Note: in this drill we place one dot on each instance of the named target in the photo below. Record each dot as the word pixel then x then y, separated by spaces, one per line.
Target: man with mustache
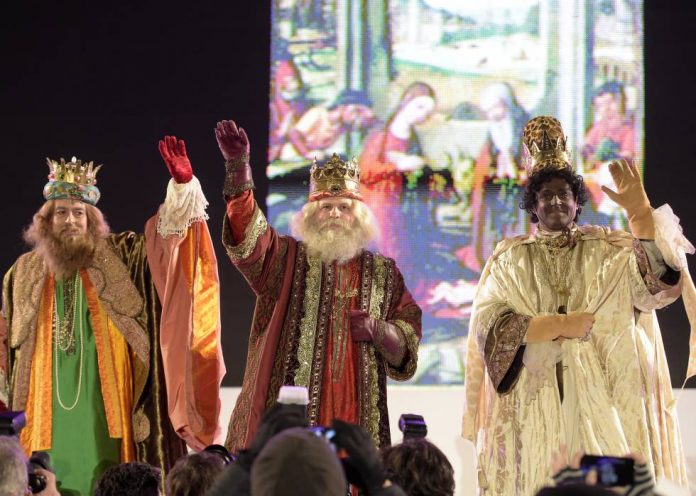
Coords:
pixel 107 340
pixel 330 315
pixel 564 346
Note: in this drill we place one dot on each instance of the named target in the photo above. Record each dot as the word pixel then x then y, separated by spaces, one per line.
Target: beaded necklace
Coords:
pixel 64 335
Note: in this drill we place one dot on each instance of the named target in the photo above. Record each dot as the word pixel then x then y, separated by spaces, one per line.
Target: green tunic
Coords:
pixel 81 453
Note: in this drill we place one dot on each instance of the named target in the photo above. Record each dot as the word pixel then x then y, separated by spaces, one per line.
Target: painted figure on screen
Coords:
pixel 389 153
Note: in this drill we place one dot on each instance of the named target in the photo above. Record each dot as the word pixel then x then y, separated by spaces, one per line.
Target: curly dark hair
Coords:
pixel 419 467
pixel 536 181
pixel 133 478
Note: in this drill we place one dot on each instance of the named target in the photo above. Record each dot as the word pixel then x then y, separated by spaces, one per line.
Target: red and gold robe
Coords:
pixel 300 333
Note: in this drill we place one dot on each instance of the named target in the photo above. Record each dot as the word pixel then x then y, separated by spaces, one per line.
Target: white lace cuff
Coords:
pixel 184 205
pixel 669 237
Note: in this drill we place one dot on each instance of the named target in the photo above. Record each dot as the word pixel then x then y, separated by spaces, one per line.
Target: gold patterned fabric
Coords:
pixel 617 390
pixel 122 280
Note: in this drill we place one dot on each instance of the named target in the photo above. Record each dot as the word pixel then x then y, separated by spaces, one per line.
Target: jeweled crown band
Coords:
pixel 73 180
pixel 336 178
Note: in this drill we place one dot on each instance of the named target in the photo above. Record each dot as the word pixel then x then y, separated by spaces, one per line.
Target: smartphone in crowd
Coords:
pixel 612 471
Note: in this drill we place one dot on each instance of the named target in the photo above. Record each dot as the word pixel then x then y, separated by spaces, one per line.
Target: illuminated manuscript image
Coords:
pixel 430 97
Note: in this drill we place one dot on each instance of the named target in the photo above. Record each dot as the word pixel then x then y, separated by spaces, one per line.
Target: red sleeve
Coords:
pixel 240 210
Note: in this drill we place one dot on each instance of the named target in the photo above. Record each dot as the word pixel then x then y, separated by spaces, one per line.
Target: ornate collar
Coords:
pixel 556 240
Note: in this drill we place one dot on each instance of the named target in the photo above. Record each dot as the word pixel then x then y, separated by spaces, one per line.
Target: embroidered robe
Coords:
pixel 617 394
pixel 300 332
pixel 154 311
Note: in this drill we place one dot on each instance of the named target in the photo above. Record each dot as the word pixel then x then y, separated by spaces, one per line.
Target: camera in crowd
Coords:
pixel 11 424
pixel 222 452
pixel 413 426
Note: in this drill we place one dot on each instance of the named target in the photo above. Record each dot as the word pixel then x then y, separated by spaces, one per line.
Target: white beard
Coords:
pixel 339 243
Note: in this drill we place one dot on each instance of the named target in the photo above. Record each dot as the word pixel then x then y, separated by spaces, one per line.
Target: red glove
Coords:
pixel 173 153
pixel 233 141
pixel 386 337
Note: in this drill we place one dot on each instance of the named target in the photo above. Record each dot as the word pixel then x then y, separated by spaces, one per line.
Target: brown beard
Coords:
pixel 64 256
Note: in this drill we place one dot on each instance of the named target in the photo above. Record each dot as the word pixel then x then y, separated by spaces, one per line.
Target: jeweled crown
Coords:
pixel 74 180
pixel 544 145
pixel 336 177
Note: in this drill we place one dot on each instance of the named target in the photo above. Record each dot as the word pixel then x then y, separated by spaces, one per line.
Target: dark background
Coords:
pixel 105 81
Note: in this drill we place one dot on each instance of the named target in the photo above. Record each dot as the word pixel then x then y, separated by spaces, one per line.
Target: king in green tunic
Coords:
pixel 106 340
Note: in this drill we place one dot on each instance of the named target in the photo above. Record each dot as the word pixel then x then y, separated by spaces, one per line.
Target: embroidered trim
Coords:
pixel 236 183
pixel 120 298
pixel 652 282
pixel 504 339
pixel 236 163
pixel 295 310
pixel 373 413
pixel 141 426
pixel 378 281
pixel 230 189
pixel 327 288
pixel 364 390
pixel 28 276
pixel 378 287
pixel 252 233
pixel 285 360
pixel 308 324
pixel 410 346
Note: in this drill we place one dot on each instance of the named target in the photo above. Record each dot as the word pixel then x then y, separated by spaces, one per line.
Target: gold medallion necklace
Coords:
pixel 557 251
pixel 67 341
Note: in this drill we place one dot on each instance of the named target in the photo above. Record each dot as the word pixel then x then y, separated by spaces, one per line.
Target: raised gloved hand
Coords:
pixel 233 141
pixel 386 337
pixel 576 325
pixel 632 198
pixel 363 465
pixel 234 145
pixel 173 153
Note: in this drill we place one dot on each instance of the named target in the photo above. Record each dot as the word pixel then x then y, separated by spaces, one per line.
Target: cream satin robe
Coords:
pixel 617 390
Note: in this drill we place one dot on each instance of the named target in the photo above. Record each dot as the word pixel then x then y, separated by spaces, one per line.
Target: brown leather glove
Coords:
pixel 549 327
pixel 632 198
pixel 386 337
pixel 234 146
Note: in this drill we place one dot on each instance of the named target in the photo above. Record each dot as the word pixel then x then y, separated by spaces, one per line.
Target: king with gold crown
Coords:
pixel 96 331
pixel 564 347
pixel 330 314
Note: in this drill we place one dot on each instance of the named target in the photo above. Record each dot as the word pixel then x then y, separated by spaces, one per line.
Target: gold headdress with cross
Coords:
pixel 544 146
pixel 335 178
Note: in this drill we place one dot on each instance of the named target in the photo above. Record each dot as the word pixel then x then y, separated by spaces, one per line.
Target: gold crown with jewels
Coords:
pixel 74 180
pixel 335 178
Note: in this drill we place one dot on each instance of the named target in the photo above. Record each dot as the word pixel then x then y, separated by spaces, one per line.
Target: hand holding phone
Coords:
pixel 612 471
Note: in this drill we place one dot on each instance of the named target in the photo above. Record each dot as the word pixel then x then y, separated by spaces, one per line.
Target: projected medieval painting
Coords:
pixel 430 97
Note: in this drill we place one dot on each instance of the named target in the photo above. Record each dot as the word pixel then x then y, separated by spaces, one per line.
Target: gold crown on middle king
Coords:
pixel 545 146
pixel 335 178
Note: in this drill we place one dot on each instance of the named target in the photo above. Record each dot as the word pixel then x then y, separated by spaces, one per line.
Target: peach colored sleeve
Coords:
pixel 184 271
